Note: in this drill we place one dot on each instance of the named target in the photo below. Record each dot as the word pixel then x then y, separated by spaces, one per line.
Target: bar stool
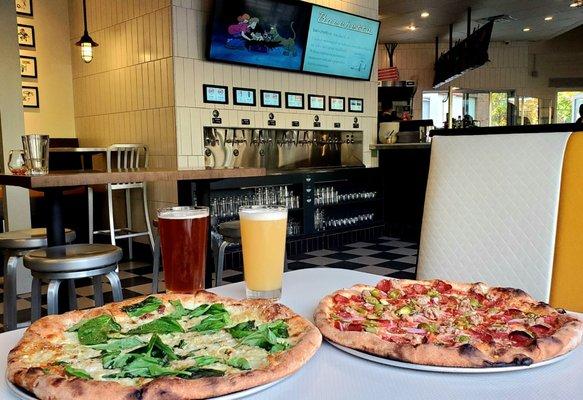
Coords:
pixel 157 259
pixel 229 234
pixel 14 245
pixel 69 262
pixel 124 156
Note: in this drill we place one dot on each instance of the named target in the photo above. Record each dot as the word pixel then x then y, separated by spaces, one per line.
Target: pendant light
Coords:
pixel 86 43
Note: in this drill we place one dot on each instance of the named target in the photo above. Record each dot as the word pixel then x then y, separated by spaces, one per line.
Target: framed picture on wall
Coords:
pixel 30 97
pixel 28 67
pixel 271 98
pixel 26 35
pixel 215 94
pixel 336 103
pixel 316 102
pixel 244 96
pixel 355 105
pixel 24 7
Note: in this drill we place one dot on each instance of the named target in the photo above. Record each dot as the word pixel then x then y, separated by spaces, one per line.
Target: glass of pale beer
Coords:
pixel 263 231
pixel 184 233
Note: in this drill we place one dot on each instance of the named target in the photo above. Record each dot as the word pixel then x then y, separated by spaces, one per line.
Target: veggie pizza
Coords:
pixel 447 324
pixel 167 346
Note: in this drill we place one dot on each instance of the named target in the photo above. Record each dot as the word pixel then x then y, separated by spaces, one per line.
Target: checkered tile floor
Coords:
pixel 386 256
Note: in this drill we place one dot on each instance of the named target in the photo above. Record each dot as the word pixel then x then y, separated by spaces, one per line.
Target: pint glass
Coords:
pixel 183 240
pixel 263 230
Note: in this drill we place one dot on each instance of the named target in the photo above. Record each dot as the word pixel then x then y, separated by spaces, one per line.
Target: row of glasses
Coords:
pixel 321 223
pixel 329 195
pixel 276 195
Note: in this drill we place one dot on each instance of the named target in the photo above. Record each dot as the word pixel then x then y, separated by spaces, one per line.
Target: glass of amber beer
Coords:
pixel 263 230
pixel 184 235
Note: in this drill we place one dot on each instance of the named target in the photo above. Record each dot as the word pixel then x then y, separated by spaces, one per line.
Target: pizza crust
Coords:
pixel 38 336
pixel 565 339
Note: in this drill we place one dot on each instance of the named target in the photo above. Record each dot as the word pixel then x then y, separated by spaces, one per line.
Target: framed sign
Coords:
pixel 26 35
pixel 244 96
pixel 28 67
pixel 270 98
pixel 355 105
pixel 30 97
pixel 215 94
pixel 24 7
pixel 316 102
pixel 336 104
pixel 294 100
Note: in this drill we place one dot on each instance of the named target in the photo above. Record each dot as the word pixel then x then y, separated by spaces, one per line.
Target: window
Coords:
pixel 568 104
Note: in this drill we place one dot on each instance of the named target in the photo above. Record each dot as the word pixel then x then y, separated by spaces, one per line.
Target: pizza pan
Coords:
pixel 24 395
pixel 433 368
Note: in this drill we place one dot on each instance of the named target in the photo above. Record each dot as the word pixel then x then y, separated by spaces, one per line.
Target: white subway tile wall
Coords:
pixel 191 70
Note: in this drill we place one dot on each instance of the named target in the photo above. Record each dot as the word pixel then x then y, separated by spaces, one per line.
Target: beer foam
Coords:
pixel 263 214
pixel 183 213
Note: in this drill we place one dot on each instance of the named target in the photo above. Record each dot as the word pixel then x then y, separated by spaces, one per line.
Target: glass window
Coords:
pixel 498 109
pixel 568 104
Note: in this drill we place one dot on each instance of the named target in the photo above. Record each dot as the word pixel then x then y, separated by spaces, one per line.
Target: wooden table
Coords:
pixel 55 183
pixel 85 153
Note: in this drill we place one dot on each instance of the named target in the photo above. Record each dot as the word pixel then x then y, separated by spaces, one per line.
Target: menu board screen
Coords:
pixel 215 94
pixel 270 98
pixel 294 100
pixel 244 97
pixel 356 105
pixel 337 103
pixel 316 102
pixel 340 44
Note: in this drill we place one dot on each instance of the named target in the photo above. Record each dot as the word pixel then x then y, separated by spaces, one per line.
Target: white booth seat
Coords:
pixel 491 210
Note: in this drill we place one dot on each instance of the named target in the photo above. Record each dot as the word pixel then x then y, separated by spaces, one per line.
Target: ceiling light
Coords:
pixel 412 27
pixel 576 3
pixel 424 14
pixel 526 29
pixel 549 18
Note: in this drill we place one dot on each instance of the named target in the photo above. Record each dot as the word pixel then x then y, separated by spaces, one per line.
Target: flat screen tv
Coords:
pixel 266 33
pixel 292 35
pixel 340 44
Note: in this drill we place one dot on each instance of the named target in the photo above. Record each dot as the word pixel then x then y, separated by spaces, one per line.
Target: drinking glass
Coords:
pixel 183 240
pixel 263 231
pixel 36 153
pixel 16 163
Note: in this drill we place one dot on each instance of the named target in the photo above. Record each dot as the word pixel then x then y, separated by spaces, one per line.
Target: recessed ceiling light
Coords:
pixel 412 27
pixel 549 18
pixel 424 14
pixel 526 29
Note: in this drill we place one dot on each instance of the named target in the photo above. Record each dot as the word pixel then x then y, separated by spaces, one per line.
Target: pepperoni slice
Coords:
pixel 385 285
pixel 338 298
pixel 551 320
pixel 337 325
pixel 344 314
pixel 540 330
pixel 483 336
pixel 442 287
pixel 354 326
pixel 521 338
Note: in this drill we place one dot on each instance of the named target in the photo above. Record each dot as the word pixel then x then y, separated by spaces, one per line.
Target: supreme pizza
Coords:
pixel 162 347
pixel 447 324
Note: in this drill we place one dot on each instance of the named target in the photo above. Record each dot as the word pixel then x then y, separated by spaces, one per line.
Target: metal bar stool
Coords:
pixel 229 234
pixel 59 263
pixel 14 245
pixel 123 156
pixel 157 261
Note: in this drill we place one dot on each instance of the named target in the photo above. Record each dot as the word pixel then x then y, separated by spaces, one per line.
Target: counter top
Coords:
pixel 401 146
pixel 99 177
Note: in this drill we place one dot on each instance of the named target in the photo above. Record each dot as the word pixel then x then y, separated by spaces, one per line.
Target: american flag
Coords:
pixel 388 74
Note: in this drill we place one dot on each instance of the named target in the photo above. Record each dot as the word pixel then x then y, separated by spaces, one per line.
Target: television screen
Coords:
pixel 294 100
pixel 316 102
pixel 265 33
pixel 355 105
pixel 215 94
pixel 340 44
pixel 270 98
pixel 337 103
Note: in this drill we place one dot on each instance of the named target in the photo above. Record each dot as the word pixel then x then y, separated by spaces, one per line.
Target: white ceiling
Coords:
pixel 397 15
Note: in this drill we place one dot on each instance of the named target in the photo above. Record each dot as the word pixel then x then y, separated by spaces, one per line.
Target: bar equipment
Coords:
pixel 36 153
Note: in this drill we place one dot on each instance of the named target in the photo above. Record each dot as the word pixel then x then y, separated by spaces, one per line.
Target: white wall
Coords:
pixel 55 115
pixel 191 70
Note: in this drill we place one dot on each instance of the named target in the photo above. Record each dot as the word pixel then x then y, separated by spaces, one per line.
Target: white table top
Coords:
pixel 335 375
